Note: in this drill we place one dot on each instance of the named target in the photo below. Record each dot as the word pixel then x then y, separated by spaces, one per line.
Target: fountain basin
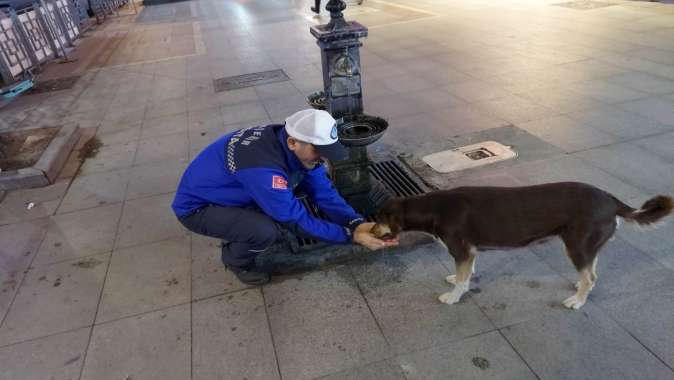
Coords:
pixel 360 130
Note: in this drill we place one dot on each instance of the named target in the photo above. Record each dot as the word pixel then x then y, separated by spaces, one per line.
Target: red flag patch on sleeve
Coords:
pixel 279 183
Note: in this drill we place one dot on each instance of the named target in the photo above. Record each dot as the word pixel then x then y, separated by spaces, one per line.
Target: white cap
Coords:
pixel 319 128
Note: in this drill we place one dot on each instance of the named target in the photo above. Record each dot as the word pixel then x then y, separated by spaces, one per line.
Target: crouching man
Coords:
pixel 241 189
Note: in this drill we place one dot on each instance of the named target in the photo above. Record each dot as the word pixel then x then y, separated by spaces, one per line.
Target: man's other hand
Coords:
pixel 363 236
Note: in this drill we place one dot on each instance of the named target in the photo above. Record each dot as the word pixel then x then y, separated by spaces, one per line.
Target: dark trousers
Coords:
pixel 246 232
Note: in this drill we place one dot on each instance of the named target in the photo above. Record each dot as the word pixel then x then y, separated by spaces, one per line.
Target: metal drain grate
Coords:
pixel 395 179
pixel 390 174
pixel 584 4
pixel 58 84
pixel 249 80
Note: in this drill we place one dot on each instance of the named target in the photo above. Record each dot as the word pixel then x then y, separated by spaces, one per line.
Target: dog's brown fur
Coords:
pixel 468 219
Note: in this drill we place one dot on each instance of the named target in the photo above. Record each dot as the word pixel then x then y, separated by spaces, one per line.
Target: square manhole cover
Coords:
pixel 584 4
pixel 57 84
pixel 469 156
pixel 23 148
pixel 249 80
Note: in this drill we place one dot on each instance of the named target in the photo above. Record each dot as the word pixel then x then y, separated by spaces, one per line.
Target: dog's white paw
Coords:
pixel 577 285
pixel 573 302
pixel 450 298
pixel 451 279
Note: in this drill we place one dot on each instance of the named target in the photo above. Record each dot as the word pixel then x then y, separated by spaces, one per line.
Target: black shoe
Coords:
pixel 246 275
pixel 315 10
pixel 250 277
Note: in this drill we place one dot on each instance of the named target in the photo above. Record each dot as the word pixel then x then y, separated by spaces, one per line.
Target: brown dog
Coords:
pixel 470 219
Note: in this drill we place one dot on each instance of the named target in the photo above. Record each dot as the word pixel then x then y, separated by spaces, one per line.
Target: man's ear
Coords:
pixel 292 143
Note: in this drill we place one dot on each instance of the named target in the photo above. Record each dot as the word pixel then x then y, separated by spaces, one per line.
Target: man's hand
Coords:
pixel 363 236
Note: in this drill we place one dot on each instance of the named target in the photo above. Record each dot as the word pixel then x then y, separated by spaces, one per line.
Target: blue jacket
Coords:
pixel 254 167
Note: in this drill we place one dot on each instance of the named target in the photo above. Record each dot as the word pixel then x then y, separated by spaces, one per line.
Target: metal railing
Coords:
pixel 32 33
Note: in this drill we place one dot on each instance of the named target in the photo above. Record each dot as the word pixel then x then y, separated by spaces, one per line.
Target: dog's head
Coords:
pixel 389 219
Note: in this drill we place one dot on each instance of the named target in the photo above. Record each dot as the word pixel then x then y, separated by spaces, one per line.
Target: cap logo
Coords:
pixel 333 132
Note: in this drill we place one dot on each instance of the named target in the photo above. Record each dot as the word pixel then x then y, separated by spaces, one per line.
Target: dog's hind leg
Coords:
pixel 585 285
pixel 464 259
pixel 583 252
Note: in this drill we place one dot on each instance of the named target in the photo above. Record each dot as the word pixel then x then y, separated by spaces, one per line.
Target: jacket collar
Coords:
pixel 293 162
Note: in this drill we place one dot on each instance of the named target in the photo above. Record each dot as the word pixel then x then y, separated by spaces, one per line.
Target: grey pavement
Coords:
pixel 99 281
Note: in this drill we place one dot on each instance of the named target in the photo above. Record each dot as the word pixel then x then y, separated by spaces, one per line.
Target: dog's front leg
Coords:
pixel 462 280
pixel 452 277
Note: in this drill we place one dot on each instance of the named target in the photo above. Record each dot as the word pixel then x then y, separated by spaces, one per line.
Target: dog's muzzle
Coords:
pixel 382 231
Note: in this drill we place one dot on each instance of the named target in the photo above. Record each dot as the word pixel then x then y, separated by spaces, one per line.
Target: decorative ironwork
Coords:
pixel 14 58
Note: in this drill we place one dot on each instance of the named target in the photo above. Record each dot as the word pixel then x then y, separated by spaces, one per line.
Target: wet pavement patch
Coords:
pixel 88 263
pixel 480 362
pixel 90 149
pixel 57 84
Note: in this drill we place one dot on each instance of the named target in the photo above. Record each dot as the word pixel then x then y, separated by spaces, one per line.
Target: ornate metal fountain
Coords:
pixel 342 96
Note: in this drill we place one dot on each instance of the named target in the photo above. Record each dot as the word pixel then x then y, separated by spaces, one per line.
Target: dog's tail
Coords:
pixel 650 212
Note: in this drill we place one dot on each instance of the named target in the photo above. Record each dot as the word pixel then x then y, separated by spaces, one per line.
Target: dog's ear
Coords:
pixel 392 213
pixel 397 219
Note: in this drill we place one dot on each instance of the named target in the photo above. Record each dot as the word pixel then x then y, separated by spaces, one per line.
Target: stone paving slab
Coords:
pixel 383 370
pixel 79 234
pixel 150 346
pixel 633 165
pixel 657 108
pixel 647 317
pixel 232 338
pixel 209 276
pixel 20 243
pixel 129 134
pixel 94 190
pixel 562 100
pixel 158 107
pixel 605 91
pixel 618 122
pixel 660 145
pixel 111 156
pixel 618 261
pixel 154 179
pixel 76 283
pixel 57 357
pixel 570 168
pixel 584 344
pixel 486 356
pixel 321 325
pixel 9 283
pixel 515 286
pixel 567 134
pixel 645 82
pixel 402 291
pixel 14 206
pixel 163 126
pixel 169 147
pixel 147 220
pixel 243 112
pixel 146 278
